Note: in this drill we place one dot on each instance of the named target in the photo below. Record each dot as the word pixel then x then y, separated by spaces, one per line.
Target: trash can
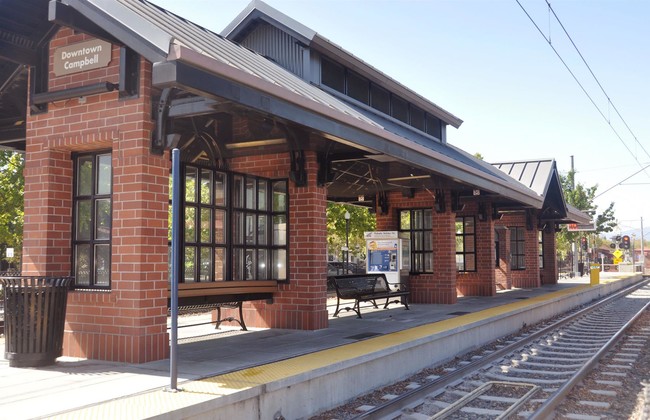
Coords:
pixel 594 274
pixel 34 319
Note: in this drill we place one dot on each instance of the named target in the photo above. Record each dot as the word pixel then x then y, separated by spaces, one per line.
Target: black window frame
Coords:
pixel 540 251
pixel 241 205
pixel 421 237
pixel 465 244
pixel 517 248
pixel 94 198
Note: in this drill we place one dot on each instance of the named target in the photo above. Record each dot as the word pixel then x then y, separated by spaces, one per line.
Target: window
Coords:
pixel 256 209
pixel 358 88
pixel 380 99
pixel 517 247
pixel 418 223
pixel 417 118
pixel 400 109
pixel 434 126
pixel 540 248
pixel 92 220
pixel 497 253
pixel 465 244
pixel 333 75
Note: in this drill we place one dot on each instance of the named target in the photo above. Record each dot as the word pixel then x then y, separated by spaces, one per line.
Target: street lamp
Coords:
pixel 347 241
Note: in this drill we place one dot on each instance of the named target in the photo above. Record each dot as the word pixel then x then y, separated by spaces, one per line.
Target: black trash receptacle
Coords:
pixel 34 319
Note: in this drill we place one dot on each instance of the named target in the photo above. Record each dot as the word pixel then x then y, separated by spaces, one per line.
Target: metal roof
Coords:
pixel 258 10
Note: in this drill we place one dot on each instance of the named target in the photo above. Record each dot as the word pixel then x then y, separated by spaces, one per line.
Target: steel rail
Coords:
pixel 402 401
pixel 548 407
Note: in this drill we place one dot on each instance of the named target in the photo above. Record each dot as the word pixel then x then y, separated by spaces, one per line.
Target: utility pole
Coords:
pixel 573 243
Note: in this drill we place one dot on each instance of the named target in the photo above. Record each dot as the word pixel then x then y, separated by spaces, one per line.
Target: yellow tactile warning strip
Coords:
pixel 154 403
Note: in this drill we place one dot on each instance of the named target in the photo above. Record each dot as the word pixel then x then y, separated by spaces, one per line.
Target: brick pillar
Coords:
pixel 302 302
pixel 482 281
pixel 127 322
pixel 439 287
pixel 549 274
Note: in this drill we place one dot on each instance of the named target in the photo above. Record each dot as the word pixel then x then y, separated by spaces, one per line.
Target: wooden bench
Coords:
pixel 367 288
pixel 224 294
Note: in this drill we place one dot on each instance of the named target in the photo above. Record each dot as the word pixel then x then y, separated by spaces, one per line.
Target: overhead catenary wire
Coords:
pixel 609 100
pixel 575 78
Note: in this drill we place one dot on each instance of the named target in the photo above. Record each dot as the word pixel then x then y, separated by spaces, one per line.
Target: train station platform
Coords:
pixel 273 374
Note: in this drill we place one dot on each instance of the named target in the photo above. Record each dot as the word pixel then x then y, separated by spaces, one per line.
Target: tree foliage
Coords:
pixel 582 198
pixel 361 220
pixel 12 186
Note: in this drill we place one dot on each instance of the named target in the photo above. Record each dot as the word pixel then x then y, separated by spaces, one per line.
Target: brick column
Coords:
pixel 549 274
pixel 302 302
pixel 503 276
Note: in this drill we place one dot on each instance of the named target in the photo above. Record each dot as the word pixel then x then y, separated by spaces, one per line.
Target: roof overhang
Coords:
pixel 202 75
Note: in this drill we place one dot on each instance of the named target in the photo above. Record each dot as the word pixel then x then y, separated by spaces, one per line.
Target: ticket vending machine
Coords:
pixel 389 252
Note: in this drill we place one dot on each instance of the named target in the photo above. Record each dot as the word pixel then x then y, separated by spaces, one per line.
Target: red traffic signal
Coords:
pixel 583 243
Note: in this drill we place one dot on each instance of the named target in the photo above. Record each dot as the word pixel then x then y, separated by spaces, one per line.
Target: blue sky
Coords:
pixel 485 62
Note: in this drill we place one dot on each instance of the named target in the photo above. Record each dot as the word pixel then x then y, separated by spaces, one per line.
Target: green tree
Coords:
pixel 361 220
pixel 12 187
pixel 582 198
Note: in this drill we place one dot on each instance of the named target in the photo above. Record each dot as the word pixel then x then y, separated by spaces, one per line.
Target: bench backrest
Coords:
pixel 350 285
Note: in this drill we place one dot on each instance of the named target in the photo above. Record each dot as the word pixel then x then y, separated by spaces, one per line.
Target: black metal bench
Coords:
pixel 367 288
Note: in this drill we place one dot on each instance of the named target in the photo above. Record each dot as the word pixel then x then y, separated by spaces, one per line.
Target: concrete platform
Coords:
pixel 265 374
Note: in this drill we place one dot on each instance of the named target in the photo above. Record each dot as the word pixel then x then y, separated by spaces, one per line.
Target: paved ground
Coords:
pixel 74 383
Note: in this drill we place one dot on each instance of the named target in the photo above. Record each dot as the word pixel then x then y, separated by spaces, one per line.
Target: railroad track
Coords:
pixel 532 374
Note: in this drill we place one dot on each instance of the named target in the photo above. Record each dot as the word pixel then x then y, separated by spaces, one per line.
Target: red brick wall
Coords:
pixel 127 323
pixel 529 277
pixel 482 281
pixel 302 302
pixel 549 274
pixel 502 273
pixel 440 286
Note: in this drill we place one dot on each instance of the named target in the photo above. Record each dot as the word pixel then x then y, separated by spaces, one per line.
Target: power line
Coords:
pixel 595 78
pixel 620 182
pixel 580 84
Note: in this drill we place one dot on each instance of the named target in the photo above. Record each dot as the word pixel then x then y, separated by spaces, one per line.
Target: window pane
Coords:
pixel 251 264
pixel 279 229
pixel 220 189
pixel 82 265
pixel 470 263
pixel 358 87
pixel 83 220
pixel 238 228
pixel 459 226
pixel 417 118
pixel 262 231
pixel 206 264
pixel 190 184
pixel 280 196
pixel 85 175
pixel 206 186
pixel 251 193
pixel 418 241
pixel 220 226
pixel 102 265
pixel 459 244
pixel 279 264
pixel 262 264
pixel 104 174
pixel 219 264
pixel 190 224
pixel 469 244
pixel 238 191
pixel 427 216
pixel 251 222
pixel 206 223
pixel 380 99
pixel 469 225
pixel 428 241
pixel 405 219
pixel 434 126
pixel 103 219
pixel 238 264
pixel 460 262
pixel 428 262
pixel 189 264
pixel 332 75
pixel 262 193
pixel 400 109
pixel 417 219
